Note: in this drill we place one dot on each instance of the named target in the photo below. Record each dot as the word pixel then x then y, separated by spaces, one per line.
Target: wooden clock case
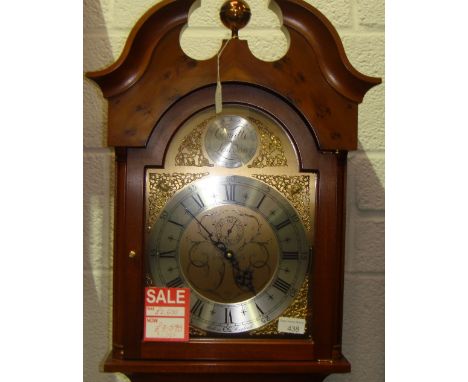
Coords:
pixel 313 92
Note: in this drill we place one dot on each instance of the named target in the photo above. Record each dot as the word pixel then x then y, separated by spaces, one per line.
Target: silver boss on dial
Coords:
pixel 231 141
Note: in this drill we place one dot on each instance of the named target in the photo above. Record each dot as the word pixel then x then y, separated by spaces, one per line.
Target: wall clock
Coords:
pixel 245 208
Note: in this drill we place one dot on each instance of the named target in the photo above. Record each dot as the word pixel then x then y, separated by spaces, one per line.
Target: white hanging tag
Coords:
pixel 219 98
pixel 219 89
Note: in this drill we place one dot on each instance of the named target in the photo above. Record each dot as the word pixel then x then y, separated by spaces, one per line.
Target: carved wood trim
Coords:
pixel 153 72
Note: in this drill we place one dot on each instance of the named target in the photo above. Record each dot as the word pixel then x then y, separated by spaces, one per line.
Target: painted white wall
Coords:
pixel 360 24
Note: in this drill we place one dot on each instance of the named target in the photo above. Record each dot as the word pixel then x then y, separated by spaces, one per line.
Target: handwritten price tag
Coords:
pixel 291 325
pixel 167 314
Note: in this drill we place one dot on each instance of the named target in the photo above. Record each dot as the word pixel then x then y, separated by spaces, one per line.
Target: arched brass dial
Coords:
pixel 238 244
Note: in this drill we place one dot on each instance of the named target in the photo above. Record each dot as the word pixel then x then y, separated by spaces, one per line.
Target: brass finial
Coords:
pixel 235 14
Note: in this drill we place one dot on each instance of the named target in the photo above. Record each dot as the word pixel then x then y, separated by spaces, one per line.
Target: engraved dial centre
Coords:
pixel 242 266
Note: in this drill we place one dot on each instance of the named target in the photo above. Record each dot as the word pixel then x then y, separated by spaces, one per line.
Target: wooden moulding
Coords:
pixel 153 73
pixel 232 371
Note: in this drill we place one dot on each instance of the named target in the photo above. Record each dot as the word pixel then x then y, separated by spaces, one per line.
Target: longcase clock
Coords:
pixel 246 208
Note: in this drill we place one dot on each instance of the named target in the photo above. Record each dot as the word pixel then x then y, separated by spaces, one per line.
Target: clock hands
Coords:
pixel 243 278
pixel 218 244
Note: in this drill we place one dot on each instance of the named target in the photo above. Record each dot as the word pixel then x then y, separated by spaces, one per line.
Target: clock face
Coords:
pixel 238 244
pixel 230 216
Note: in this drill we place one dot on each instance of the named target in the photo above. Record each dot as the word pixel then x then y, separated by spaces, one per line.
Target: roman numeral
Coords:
pixel 227 316
pixel 230 192
pixel 177 224
pixel 282 285
pixel 176 283
pixel 282 224
pixel 290 255
pixel 167 255
pixel 197 309
pixel 198 200
pixel 259 309
pixel 261 201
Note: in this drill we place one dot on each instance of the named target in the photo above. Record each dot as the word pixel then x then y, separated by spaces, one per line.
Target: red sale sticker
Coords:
pixel 167 314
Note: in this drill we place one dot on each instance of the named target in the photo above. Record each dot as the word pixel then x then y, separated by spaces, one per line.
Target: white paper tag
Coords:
pixel 219 98
pixel 291 325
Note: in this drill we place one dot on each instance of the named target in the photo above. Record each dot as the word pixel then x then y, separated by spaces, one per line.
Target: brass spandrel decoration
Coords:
pixel 161 187
pixel 298 309
pixel 190 151
pixel 296 189
pixel 271 152
pixel 195 332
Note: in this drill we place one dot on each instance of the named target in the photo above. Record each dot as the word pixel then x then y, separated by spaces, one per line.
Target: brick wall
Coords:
pixel 360 24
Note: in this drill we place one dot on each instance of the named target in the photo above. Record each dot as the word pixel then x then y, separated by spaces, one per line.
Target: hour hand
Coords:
pixel 229 231
pixel 218 244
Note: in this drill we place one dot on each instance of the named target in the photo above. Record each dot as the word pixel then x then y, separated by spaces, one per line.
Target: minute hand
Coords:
pixel 217 244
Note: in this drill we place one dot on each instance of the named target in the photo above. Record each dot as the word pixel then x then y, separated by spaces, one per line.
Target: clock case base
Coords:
pixel 226 371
